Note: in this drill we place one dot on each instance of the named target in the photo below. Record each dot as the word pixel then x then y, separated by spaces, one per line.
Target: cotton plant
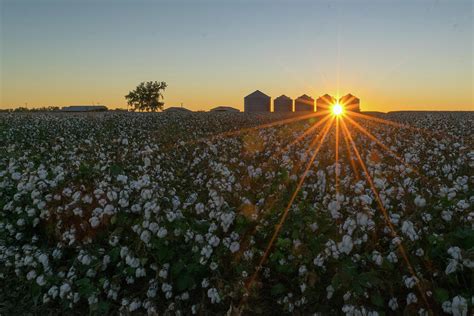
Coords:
pixel 105 214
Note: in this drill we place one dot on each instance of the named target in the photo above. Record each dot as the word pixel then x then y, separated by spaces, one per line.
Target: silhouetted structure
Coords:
pixel 324 103
pixel 257 102
pixel 224 109
pixel 304 103
pixel 84 108
pixel 350 103
pixel 176 109
pixel 283 104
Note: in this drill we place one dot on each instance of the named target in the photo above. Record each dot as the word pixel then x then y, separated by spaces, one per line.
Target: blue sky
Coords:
pixel 392 54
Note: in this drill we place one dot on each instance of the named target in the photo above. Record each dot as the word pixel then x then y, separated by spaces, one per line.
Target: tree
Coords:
pixel 146 96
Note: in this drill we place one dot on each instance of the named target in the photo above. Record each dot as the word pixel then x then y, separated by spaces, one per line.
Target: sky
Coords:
pixel 393 55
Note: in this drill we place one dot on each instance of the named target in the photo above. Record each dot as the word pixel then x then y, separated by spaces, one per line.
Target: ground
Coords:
pixel 211 213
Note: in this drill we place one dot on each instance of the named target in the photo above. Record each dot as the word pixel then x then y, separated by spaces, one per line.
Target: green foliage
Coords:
pixel 147 96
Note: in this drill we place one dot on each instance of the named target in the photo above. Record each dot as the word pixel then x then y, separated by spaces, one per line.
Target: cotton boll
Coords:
pixel 411 298
pixel 420 202
pixel 94 221
pixel 345 246
pixel 213 294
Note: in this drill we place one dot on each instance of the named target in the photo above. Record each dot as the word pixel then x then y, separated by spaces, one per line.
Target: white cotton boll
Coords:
pixel 463 205
pixel 329 291
pixel 214 241
pixel 365 199
pixel 206 251
pixel 165 287
pixel 319 260
pixel 132 261
pixel 122 178
pixel 234 247
pixel 124 141
pixel 16 176
pixel 31 275
pixel 419 252
pixel 163 273
pixel 140 272
pixel 379 183
pixel 447 307
pixel 162 232
pixel 77 211
pixel 134 306
pixel 112 195
pixel 302 270
pixel 146 162
pixel 199 208
pixel 153 227
pixel 64 289
pixel 409 230
pixel 459 306
pixel 447 215
pixel 451 267
pixel 420 201
pixel 94 221
pixel 393 304
pixel 43 259
pixel 85 259
pixel 468 263
pixel 455 252
pixel 334 207
pixel 362 219
pixel 53 291
pixel 109 209
pixel 426 217
pixel 146 194
pixel 40 280
pixel 213 294
pixel 145 236
pixel 411 298
pixel 92 300
pixel 42 174
pixel 410 281
pixel 377 258
pixel 105 261
pixel 345 246
pixel 151 292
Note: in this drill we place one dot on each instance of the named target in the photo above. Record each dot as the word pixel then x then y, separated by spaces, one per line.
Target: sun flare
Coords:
pixel 337 109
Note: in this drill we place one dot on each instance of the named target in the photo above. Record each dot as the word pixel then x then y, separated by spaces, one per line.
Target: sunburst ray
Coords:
pixel 385 214
pixel 319 141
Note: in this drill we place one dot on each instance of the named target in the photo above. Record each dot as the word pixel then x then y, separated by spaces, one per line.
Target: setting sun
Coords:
pixel 337 109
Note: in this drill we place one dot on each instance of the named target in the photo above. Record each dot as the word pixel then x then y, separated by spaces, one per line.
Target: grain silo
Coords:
pixel 325 102
pixel 304 103
pixel 350 103
pixel 257 102
pixel 283 104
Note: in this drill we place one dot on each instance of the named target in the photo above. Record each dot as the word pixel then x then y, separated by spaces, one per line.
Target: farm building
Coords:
pixel 323 103
pixel 176 109
pixel 304 103
pixel 224 109
pixel 283 104
pixel 350 103
pixel 257 102
pixel 84 108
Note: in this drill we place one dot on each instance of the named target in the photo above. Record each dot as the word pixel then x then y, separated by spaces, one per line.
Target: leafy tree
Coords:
pixel 146 96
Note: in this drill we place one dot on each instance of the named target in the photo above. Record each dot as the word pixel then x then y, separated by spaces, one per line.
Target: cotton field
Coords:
pixel 205 214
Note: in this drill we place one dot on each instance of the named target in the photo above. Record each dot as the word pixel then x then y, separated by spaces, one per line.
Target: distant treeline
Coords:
pixel 25 109
pixel 42 109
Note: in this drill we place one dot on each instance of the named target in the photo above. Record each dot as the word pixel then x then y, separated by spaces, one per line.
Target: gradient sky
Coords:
pixel 394 55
